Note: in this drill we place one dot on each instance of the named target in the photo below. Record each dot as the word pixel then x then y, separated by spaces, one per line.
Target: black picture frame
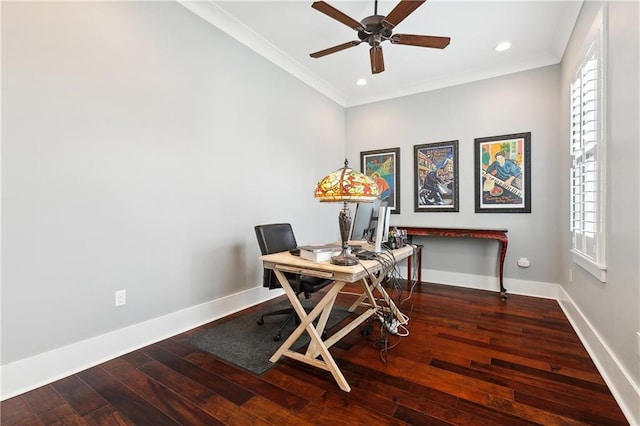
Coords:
pixel 503 173
pixel 436 177
pixel 384 164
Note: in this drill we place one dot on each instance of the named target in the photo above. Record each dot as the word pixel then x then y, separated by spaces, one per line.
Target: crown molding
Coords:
pixel 221 19
pixel 212 13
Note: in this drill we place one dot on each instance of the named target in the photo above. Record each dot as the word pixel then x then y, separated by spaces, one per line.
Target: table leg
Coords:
pixel 320 326
pixel 503 253
pixel 417 252
pixel 376 285
pixel 316 345
pixel 368 294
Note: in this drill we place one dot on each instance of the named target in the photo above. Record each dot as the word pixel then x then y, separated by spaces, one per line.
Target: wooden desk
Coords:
pixel 285 262
pixel 492 234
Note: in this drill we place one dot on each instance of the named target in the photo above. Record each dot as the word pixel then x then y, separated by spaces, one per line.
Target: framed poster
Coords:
pixel 383 166
pixel 436 177
pixel 503 174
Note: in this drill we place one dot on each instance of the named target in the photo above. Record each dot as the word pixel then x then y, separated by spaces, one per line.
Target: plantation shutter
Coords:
pixel 587 153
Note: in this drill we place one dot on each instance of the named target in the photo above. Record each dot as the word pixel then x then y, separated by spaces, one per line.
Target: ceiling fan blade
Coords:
pixel 334 13
pixel 377 60
pixel 334 49
pixel 421 40
pixel 401 11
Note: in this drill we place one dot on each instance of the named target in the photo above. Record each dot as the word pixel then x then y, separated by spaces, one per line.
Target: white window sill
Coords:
pixel 595 269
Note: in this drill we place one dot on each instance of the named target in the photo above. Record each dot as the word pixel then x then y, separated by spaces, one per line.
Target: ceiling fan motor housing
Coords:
pixel 374 31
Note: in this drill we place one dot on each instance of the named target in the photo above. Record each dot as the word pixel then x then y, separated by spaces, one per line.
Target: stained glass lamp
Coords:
pixel 346 185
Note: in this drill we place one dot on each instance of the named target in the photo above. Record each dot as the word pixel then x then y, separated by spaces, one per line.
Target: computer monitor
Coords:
pixel 382 227
pixel 361 224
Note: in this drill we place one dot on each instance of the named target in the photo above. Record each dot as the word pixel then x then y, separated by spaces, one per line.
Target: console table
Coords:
pixel 487 233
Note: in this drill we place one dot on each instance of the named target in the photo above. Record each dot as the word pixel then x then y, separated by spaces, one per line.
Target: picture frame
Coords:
pixel 383 165
pixel 436 177
pixel 503 173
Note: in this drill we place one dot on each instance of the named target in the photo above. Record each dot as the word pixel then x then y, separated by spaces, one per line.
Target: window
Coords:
pixel 587 149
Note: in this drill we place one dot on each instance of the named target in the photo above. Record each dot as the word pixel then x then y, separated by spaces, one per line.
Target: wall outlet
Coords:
pixel 121 297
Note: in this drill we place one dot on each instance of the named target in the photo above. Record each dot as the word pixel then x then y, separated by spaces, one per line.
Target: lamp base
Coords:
pixel 344 259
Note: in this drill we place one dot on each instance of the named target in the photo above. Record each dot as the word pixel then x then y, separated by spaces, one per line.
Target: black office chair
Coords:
pixel 275 238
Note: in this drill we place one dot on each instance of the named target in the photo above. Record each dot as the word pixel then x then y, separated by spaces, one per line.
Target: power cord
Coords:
pixel 393 326
pixel 414 275
pixel 382 343
pixel 392 321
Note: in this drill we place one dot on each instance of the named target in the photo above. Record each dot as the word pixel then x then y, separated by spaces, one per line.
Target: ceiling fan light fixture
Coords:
pixel 501 47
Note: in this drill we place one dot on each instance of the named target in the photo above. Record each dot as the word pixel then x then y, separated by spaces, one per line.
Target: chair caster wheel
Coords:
pixel 276 338
pixel 260 321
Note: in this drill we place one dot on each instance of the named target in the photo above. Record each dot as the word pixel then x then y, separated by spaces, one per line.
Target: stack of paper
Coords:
pixel 320 253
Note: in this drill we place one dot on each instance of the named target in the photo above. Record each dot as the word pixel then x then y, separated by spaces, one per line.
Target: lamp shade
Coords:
pixel 345 184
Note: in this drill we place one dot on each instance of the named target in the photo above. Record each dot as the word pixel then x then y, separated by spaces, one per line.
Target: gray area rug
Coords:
pixel 241 341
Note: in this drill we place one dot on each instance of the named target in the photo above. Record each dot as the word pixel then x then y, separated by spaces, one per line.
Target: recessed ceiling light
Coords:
pixel 505 45
pixel 361 82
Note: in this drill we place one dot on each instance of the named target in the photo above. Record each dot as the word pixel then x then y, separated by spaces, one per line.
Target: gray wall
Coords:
pixel 613 308
pixel 140 145
pixel 522 102
pixel 124 125
pixel 535 101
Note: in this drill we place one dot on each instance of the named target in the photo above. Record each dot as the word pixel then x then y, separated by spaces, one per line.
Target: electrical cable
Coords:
pixel 382 343
pixel 414 278
pixel 392 321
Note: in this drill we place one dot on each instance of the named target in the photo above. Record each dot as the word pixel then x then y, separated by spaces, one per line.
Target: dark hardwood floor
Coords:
pixel 469 359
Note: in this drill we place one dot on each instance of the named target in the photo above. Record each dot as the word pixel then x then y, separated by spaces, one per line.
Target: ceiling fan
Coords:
pixel 376 28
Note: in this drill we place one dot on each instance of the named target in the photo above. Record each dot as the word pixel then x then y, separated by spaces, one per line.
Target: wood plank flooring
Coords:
pixel 469 359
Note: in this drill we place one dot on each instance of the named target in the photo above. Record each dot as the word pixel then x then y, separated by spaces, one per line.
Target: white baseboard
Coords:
pixel 30 373
pixel 480 282
pixel 619 381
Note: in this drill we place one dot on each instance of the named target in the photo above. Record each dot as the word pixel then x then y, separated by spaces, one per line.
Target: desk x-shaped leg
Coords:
pixel 317 348
pixel 317 353
pixel 368 299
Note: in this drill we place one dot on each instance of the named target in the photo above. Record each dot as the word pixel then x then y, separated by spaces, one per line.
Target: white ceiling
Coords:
pixel 286 32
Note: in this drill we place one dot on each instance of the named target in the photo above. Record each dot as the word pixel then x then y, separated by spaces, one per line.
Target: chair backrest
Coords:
pixel 274 238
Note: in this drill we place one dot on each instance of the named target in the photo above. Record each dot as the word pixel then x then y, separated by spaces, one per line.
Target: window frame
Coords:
pixel 588 239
